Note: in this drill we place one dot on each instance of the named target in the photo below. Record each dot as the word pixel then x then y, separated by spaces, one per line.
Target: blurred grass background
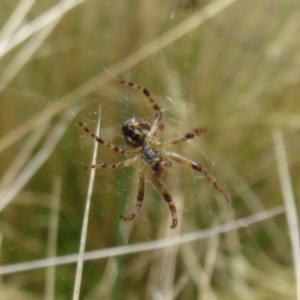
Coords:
pixel 237 73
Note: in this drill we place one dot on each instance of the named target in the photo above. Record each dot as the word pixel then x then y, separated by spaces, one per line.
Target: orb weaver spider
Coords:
pixel 146 149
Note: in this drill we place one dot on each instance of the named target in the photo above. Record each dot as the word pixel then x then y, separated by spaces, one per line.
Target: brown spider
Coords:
pixel 143 139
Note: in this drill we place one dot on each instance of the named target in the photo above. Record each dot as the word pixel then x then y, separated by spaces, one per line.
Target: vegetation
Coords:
pixel 230 65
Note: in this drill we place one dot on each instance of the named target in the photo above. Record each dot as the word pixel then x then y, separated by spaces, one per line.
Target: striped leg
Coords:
pixel 119 165
pixel 187 136
pixel 168 198
pixel 107 144
pixel 155 107
pixel 191 164
pixel 157 125
pixel 140 196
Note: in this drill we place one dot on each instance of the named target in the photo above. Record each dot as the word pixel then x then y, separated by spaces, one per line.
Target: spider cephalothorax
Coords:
pixel 142 138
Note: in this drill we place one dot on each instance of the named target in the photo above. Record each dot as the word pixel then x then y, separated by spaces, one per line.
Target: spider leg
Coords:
pixel 154 132
pixel 157 125
pixel 119 165
pixel 107 144
pixel 140 196
pixel 187 136
pixel 196 166
pixel 155 107
pixel 167 197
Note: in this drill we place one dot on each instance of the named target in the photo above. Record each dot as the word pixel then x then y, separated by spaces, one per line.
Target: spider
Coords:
pixel 146 149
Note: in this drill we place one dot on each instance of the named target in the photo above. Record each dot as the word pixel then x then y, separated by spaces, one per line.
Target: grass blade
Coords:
pixel 79 270
pixel 289 202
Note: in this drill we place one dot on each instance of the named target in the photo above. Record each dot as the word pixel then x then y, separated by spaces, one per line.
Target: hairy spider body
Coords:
pixel 135 132
pixel 145 148
pixel 150 156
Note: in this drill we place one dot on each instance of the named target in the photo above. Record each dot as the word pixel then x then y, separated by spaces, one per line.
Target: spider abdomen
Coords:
pixel 135 132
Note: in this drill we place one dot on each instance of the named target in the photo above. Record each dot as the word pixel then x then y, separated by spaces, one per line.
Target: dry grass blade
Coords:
pixel 21 159
pixel 8 194
pixel 147 246
pixel 251 199
pixel 289 202
pixel 52 238
pixel 16 19
pixel 38 24
pixel 76 292
pixel 170 37
pixel 24 55
pixel 36 121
